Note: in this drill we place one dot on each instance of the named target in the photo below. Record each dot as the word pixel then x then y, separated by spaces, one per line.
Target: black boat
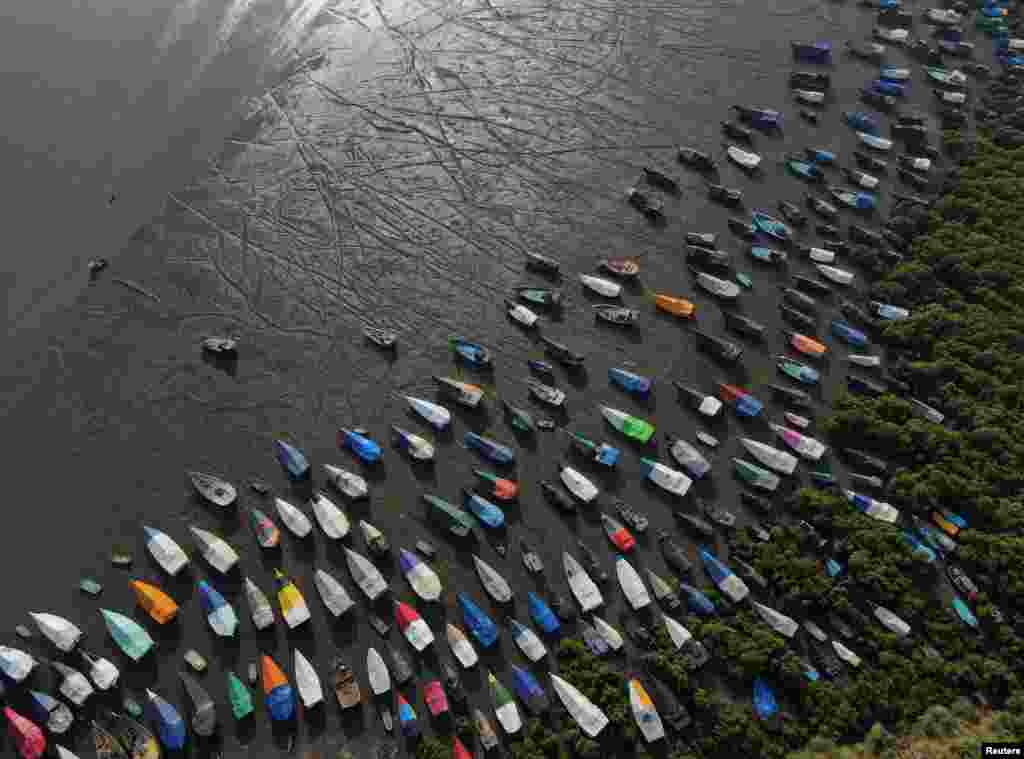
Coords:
pixel 592 564
pixel 895 18
pixel 747 572
pixel 809 116
pixel 737 131
pixel 811 285
pixel 908 132
pixel 952 118
pixel 694 397
pixel 865 236
pixel 821 207
pixel 962 582
pixel 544 264
pixel 870 163
pixel 897 386
pixel 382 338
pixel 865 460
pixel 671 711
pixel 639 633
pixel 720 349
pixel 716 514
pixel 557 497
pixel 742 324
pixel 725 195
pixel 839 625
pixel 563 607
pixel 662 181
pixel 878 100
pixel 865 480
pixel 796 298
pixel 868 51
pixel 758 532
pixel 453 684
pixel 701 239
pixel 865 387
pixel 956 48
pixel 793 396
pixel 618 315
pixel 631 517
pixel 755 501
pixel 696 159
pixel 696 524
pixel 792 213
pixel 860 178
pixel 828 231
pixel 836 246
pixel 810 79
pixel 853 312
pixel 913 200
pixel 917 181
pixel 531 559
pixel 669 601
pixel 799 318
pixel 401 670
pixel 976 69
pixel 561 352
pixel 675 554
pixel 648 205
pixel 743 229
pixel 826 662
pixel 924 149
pixel 709 258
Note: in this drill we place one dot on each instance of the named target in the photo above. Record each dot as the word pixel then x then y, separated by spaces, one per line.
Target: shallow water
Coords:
pixel 398 183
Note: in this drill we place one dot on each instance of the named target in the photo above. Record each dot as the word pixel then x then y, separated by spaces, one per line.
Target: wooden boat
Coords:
pixel 542 263
pixel 347 483
pixel 674 305
pixel 497 587
pixel 346 687
pixel 714 285
pixel 455 520
pixel 293 518
pixel 727 196
pixel 561 352
pixel 437 416
pixel 382 338
pixel 331 519
pixel 332 593
pixel 618 315
pixel 217 491
pixel 621 267
pixel 219 613
pixel 590 719
pixel 168 554
pixel 696 159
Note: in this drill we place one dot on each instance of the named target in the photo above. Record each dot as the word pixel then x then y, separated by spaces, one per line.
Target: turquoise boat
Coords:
pixel 129 636
pixel 767 255
pixel 797 371
pixel 964 613
pixel 488 513
pixel 771 226
pixel 482 627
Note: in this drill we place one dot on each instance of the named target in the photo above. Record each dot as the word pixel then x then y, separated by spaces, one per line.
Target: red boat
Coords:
pixel 458 750
pixel 436 700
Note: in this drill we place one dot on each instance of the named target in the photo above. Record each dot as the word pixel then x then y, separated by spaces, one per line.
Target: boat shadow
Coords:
pixel 226 363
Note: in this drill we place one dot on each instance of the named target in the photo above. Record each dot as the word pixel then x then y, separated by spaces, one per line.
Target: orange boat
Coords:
pixel 278 693
pixel 160 606
pixel 673 305
pixel 806 345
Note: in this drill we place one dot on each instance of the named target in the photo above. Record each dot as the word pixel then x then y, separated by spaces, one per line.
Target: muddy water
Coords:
pixel 398 183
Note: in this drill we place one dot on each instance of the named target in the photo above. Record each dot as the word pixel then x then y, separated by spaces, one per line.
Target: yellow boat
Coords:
pixel 160 606
pixel 293 605
pixel 674 305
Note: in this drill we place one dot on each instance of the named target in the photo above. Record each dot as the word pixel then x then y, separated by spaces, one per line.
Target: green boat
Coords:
pixel 989 24
pixel 458 522
pixel 744 279
pixel 519 419
pixel 239 696
pixel 632 427
pixel 539 295
pixel 755 476
pixel 129 636
pixel 602 453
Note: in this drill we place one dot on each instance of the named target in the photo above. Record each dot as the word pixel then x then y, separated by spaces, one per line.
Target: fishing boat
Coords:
pixel 632 517
pixel 541 613
pixel 805 345
pixel 632 427
pixel 346 687
pixel 617 315
pixel 349 484
pixel 497 587
pixel 776 620
pixel 291 460
pixel 590 719
pixel 688 457
pixel 669 479
pixel 705 404
pixel 631 382
pixel 505 708
pixel 542 263
pixel 884 512
pixel 771 457
pixel 632 585
pixel 332 520
pixel 546 393
pixel 454 519
pixel 74 686
pixel 478 623
pixel 407 717
pixel 57 717
pixel 727 196
pixel 528 642
pixel 382 338
pixel 621 267
pixel 874 142
pixel 561 352
pixel 696 159
pixel 168 554
pixel 578 484
pixel 278 694
pixel 586 592
pixel 219 613
pixel 723 350
pixel 601 453
pixel 412 626
pixel 721 288
pixel 663 592
pixel 293 518
pixel 471 353
pixel 436 415
pixel 204 712
pixel 365 575
pixel 764 119
pixel 169 724
pixel 332 592
pixel 804 445
pixel 745 159
pixel 796 370
pixel 674 305
pixel 539 296
pixel 743 403
pixel 63 633
pixel 423 580
pixel 293 605
pixel 755 476
pixel 130 637
pixel 617 533
pixel 214 489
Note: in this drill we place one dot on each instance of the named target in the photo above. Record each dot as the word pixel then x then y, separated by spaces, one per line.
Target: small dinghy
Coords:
pixel 586 592
pixel 884 512
pixel 745 159
pixel 688 457
pixel 724 350
pixel 482 626
pixel 677 633
pixel 875 142
pixel 891 621
pixel 669 479
pixel 349 484
pixel 471 353
pixel 539 296
pixel 848 334
pixel 621 267
pixel 632 517
pixel 531 559
pixel 412 626
pixel 630 381
pixel 407 718
pixel 219 613
pixel 617 533
pixel 632 585
pixel 204 712
pixel 767 255
pixel 496 487
pixel 862 178
pixel 755 476
pixel 528 642
pixel 600 453
pixel 267 533
pixel 529 690
pixel 102 671
pixel 771 457
pixel 217 491
pixel 63 633
pixel 130 637
pixel 542 263
pixel 812 52
pixel 366 575
pixel 331 519
pixel 401 670
pixel 15 663
pixel 546 393
pixel 454 519
pixel 776 620
pixel 293 604
pixel 437 416
pixel 57 717
pixel 696 159
pixel 215 550
pixel 603 287
pixel 168 554
pixel 293 518
pixel 743 403
pixel 332 593
pixel 494 583
pixel 291 460
pixel 485 731
pixel 858 201
pixel 382 338
pixel 674 554
pixel 259 605
pixel 764 119
pixel 380 682
pixel 278 694
pixel 846 654
pixel 705 404
pixel 809 97
pixel 617 315
pixel 74 686
pixel 423 580
pixel 727 196
pixel 577 484
pixel 541 614
pixel 375 540
pixel 505 709
pixel 346 687
pixel 796 370
pixel 365 449
pixel 584 712
pixel 803 344
pixel 557 497
pixel 136 739
pixel 835 274
pixel 721 288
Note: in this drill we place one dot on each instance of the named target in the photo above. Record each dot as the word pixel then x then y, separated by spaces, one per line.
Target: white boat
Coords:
pixel 373 537
pixel 168 554
pixel 528 642
pixel 771 457
pixel 260 610
pixel 880 510
pixel 331 519
pixel 689 458
pixel 587 594
pixel 632 586
pixel 601 286
pixel 821 255
pixel 835 274
pixel 15 663
pixel 437 415
pixel 587 715
pixel 923 410
pixel 665 477
pixel 874 141
pixel 680 635
pixel 811 97
pixel 366 575
pixel 505 709
pixel 646 716
pixel 723 288
pixel 956 98
pixel 891 621
pixel 895 73
pixel 307 682
pixel 796 420
pixel 217 491
pixel 461 646
pixel 868 362
pixel 815 632
pixel 74 686
pixel 776 620
pixel 521 314
pixel 611 636
pixel 377 673
pixel 577 484
pixel 417 446
pixel 216 551
pixel 846 654
pixel 63 753
pixel 898 36
pixel 497 587
pixel 659 587
pixel 423 580
pixel 293 518
pixel 918 163
pixel 103 672
pixel 59 631
pixel 806 446
pixel 332 593
pixel 946 16
pixel 347 483
pixel 745 159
